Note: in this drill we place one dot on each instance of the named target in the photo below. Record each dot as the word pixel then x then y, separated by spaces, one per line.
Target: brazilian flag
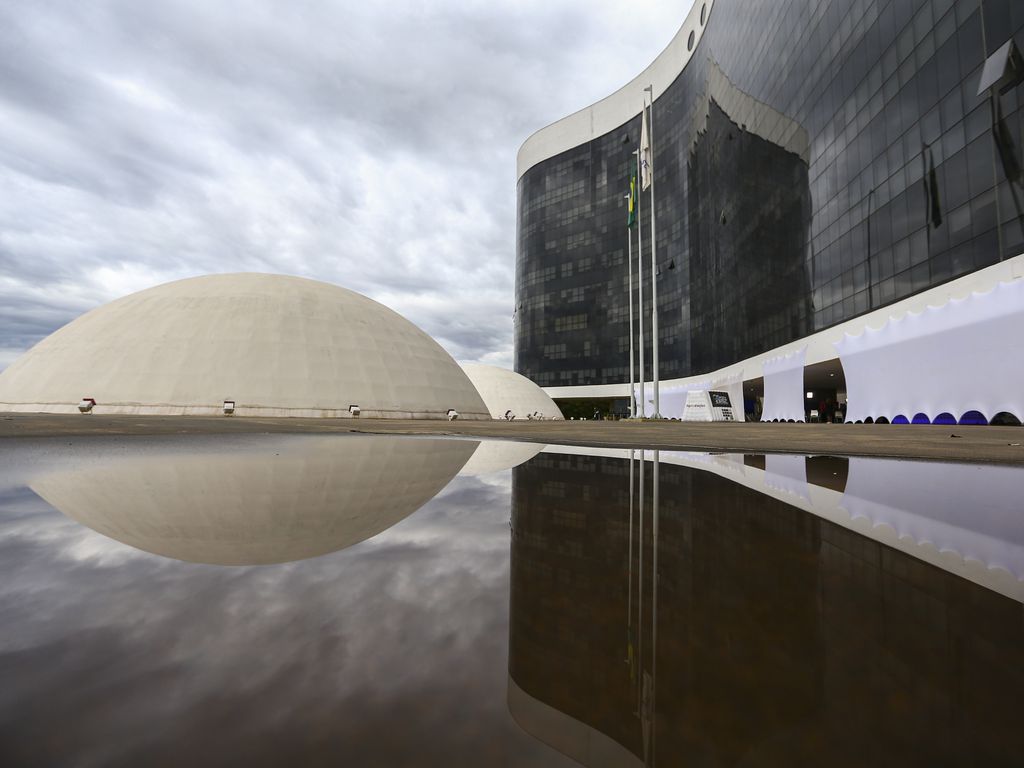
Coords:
pixel 631 221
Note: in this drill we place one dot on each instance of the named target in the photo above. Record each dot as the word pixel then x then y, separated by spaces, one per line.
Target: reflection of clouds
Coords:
pixel 392 651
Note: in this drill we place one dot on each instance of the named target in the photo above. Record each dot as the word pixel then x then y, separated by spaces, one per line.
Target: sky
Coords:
pixel 371 145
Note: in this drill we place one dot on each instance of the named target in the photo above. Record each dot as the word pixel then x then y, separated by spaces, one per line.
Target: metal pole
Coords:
pixel 640 292
pixel 632 372
pixel 654 267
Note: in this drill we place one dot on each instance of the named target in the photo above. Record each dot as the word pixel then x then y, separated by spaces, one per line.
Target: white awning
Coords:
pixel 673 398
pixel 966 355
pixel 784 387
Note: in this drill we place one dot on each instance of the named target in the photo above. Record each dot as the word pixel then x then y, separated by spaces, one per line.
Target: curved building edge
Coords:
pixel 616 109
pixel 564 733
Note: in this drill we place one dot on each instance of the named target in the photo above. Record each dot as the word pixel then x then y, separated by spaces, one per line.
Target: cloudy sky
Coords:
pixel 366 144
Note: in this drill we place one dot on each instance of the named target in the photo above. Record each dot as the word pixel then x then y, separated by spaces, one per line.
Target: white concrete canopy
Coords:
pixel 961 356
pixel 508 394
pixel 274 345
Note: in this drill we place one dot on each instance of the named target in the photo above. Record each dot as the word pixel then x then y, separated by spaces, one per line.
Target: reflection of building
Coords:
pixel 818 167
pixel 780 638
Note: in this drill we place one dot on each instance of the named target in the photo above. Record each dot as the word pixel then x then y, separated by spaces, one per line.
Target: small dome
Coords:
pixel 508 394
pixel 274 345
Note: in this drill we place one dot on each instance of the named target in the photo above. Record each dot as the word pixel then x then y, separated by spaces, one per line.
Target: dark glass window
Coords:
pixel 813 160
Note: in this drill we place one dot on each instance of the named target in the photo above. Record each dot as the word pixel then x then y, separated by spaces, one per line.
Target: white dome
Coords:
pixel 505 391
pixel 275 345
pixel 225 504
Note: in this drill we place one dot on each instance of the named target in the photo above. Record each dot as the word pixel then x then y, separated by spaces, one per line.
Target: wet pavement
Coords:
pixel 256 599
pixel 1004 445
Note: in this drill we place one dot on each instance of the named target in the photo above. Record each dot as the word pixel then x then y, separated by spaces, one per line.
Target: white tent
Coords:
pixel 673 398
pixel 784 387
pixel 966 355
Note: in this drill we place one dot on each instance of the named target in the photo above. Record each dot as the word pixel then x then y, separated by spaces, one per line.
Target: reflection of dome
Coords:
pixel 230 507
pixel 504 390
pixel 499 455
pixel 275 345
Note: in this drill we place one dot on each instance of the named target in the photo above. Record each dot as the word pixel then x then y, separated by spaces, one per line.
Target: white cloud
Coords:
pixel 370 145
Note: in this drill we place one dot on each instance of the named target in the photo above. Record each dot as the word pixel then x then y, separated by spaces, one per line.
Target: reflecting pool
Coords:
pixel 343 600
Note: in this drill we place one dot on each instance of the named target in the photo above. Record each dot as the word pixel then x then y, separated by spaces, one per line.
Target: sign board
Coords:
pixel 708 405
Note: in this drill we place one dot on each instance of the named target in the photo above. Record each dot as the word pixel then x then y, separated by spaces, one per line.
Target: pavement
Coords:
pixel 995 445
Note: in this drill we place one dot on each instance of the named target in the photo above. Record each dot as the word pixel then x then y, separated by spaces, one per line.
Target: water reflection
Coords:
pixel 294 500
pixel 676 607
pixel 707 618
pixel 390 652
pixel 499 455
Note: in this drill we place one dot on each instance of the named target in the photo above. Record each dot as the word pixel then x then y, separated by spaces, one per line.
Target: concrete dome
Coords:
pixel 506 391
pixel 227 504
pixel 275 345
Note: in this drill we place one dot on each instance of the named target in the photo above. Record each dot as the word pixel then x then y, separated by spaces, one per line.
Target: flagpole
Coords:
pixel 632 372
pixel 640 291
pixel 654 268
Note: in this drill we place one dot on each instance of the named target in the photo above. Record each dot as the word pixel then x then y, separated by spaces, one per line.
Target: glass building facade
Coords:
pixel 814 160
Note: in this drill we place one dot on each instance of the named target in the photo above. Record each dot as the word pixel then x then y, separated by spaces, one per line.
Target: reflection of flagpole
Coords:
pixel 632 372
pixel 629 599
pixel 640 292
pixel 640 587
pixel 654 611
pixel 654 268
